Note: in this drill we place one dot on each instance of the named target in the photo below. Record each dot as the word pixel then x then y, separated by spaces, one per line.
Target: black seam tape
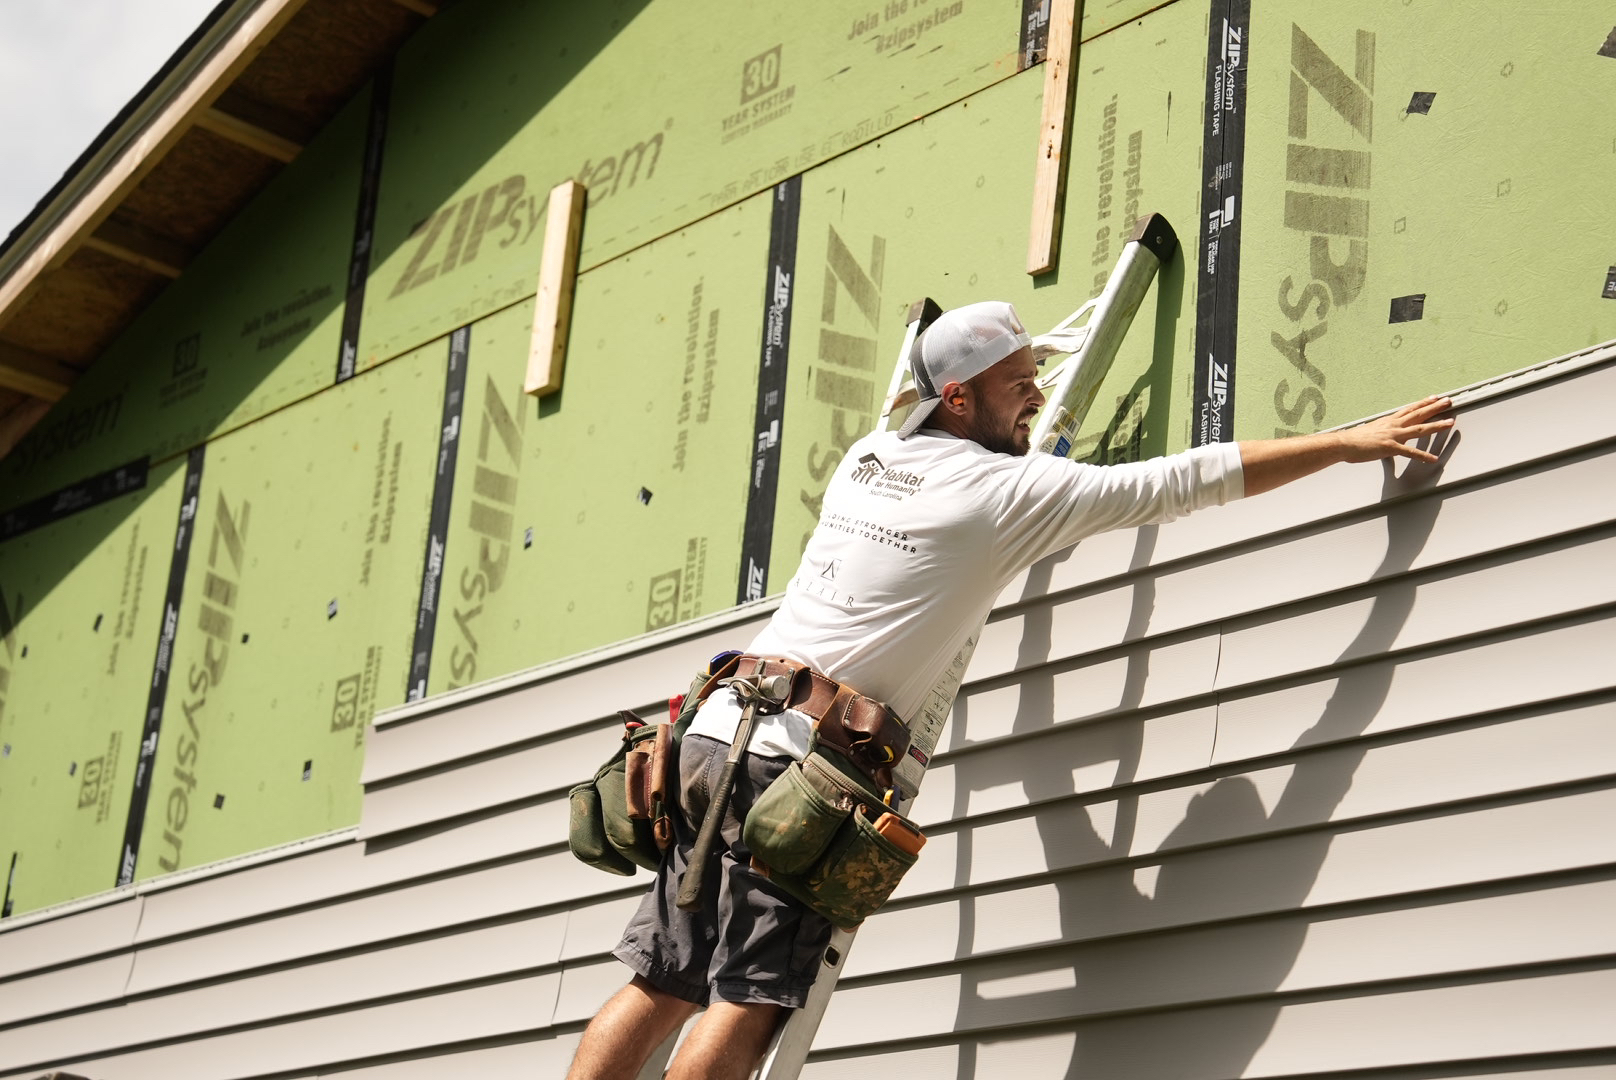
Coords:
pixel 67 501
pixel 1034 32
pixel 757 536
pixel 151 728
pixel 365 223
pixel 437 536
pixel 1217 291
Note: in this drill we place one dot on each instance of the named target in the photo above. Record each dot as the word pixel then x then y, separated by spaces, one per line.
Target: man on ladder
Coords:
pixel 920 529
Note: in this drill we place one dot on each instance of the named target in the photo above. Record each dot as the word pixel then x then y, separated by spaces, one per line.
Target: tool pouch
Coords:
pixel 619 818
pixel 822 832
pixel 645 777
pixel 586 830
pixel 867 733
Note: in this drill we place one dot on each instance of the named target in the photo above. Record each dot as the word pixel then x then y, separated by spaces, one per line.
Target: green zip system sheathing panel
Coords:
pixel 665 112
pixel 939 209
pixel 251 326
pixel 1490 201
pixel 1476 243
pixel 296 614
pixel 633 484
pixel 1140 99
pixel 84 605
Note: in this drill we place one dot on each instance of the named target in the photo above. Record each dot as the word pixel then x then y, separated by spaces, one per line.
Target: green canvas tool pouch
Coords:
pixel 823 833
pixel 619 818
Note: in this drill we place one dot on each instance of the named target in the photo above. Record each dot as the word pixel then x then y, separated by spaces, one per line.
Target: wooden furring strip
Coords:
pixel 1054 135
pixel 558 273
pixel 248 134
pixel 145 250
pixel 29 373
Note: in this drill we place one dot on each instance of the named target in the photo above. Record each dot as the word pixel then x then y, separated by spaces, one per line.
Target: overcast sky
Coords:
pixel 66 68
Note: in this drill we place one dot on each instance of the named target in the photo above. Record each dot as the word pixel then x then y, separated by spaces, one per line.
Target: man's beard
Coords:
pixel 997 440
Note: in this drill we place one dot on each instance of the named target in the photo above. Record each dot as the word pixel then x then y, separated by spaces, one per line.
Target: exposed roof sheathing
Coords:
pixel 230 109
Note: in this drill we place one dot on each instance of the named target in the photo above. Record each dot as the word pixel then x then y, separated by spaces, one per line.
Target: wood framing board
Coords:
pixel 615 506
pixel 665 112
pixel 1055 132
pixel 251 326
pixel 1437 164
pixel 558 277
pixel 83 605
pixel 300 591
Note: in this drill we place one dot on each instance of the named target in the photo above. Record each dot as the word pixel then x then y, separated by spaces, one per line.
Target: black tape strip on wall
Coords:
pixel 757 537
pixel 437 538
pixel 370 178
pixel 146 757
pixel 1217 291
pixel 1409 308
pixel 1034 32
pixel 1420 104
pixel 67 501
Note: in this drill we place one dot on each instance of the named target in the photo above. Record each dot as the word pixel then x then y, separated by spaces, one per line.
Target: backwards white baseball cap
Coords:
pixel 961 344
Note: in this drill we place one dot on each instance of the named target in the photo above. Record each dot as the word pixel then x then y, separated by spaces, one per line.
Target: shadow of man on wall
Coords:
pixel 1107 889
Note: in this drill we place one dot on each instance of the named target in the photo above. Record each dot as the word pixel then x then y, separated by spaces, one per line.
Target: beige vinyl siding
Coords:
pixel 1318 784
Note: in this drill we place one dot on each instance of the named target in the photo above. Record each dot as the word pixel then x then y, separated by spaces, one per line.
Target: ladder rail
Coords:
pixel 1151 244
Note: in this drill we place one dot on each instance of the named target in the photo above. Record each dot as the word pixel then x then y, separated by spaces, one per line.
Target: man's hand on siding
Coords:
pixel 1390 435
pixel 1271 463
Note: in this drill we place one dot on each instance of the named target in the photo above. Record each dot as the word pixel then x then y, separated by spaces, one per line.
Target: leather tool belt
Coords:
pixel 872 736
pixel 823 831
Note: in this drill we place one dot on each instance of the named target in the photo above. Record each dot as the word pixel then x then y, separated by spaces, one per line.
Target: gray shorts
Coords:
pixel 751 941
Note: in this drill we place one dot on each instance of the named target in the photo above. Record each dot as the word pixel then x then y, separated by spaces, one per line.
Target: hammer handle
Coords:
pixel 690 885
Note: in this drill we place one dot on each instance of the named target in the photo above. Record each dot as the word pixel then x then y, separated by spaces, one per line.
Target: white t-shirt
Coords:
pixel 916 538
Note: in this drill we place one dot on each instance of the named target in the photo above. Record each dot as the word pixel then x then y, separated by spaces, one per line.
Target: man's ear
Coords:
pixel 954 398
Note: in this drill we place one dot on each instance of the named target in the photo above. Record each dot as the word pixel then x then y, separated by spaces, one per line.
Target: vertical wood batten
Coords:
pixel 1054 135
pixel 558 276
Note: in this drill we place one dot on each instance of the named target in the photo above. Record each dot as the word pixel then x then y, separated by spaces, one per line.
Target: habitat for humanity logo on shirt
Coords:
pixel 885 482
pixel 869 467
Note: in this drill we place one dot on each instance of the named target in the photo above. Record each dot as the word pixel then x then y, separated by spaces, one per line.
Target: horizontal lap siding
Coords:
pixel 490 782
pixel 1399 938
pixel 1312 784
pixel 433 735
pixel 532 741
pixel 1506 1017
pixel 82 934
pixel 84 983
pixel 1049 1056
pixel 1381 838
pixel 415 1024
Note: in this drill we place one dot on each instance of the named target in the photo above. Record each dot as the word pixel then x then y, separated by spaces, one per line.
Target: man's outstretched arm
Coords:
pixel 1270 463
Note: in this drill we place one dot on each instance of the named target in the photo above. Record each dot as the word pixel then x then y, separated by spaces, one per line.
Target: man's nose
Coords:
pixel 1038 398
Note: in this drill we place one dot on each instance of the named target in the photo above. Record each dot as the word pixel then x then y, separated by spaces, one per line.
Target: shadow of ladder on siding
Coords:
pixel 1230 807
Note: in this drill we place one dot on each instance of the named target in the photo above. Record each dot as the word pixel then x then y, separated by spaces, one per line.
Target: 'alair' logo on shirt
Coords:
pixel 869 467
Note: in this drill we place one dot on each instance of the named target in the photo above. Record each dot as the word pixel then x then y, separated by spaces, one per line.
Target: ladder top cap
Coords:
pixel 1156 234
